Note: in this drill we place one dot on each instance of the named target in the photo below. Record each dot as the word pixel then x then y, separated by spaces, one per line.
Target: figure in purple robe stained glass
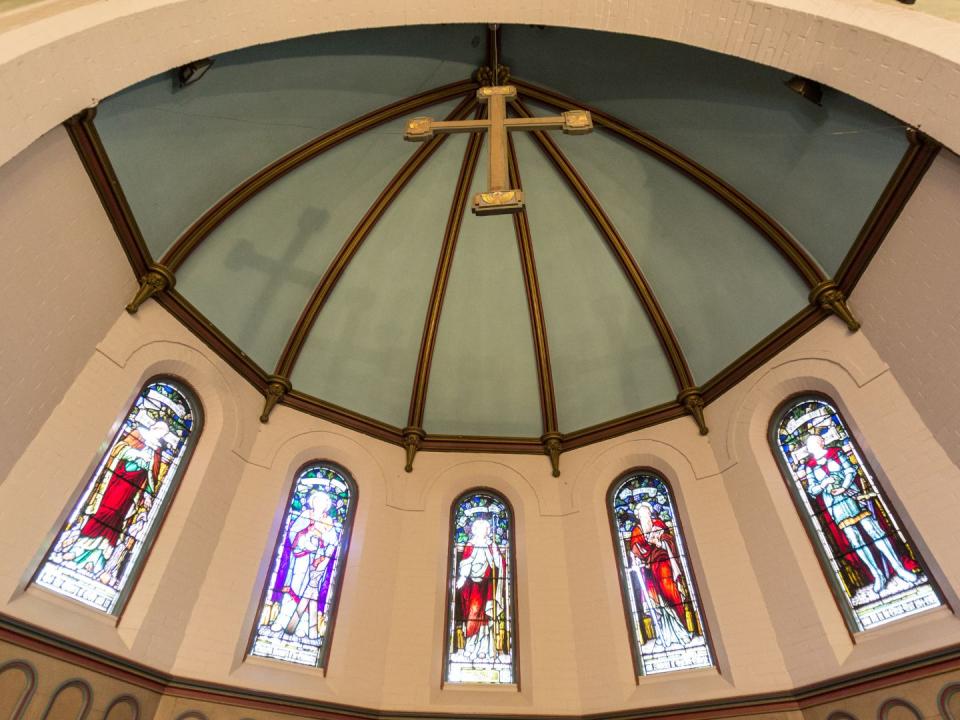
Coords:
pixel 875 570
pixel 295 618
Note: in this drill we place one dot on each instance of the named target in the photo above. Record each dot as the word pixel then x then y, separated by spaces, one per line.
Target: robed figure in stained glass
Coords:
pixel 876 571
pixel 481 639
pixel 95 553
pixel 658 589
pixel 296 614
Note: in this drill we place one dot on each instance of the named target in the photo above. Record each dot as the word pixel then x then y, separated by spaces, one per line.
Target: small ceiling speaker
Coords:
pixel 806 88
pixel 191 72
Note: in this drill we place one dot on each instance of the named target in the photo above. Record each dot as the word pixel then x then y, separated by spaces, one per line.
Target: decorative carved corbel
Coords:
pixel 827 296
pixel 692 400
pixel 552 447
pixel 412 437
pixel 485 75
pixel 157 279
pixel 277 387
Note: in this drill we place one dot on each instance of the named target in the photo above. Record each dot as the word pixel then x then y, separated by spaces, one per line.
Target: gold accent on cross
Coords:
pixel 500 197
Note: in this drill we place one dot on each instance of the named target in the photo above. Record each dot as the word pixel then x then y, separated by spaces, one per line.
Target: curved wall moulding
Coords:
pixel 682 372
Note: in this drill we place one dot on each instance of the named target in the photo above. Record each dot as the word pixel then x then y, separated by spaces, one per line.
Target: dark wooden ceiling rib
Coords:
pixel 668 340
pixel 521 226
pixel 461 195
pixel 914 164
pixel 199 230
pixel 802 262
pixel 308 317
pixel 95 161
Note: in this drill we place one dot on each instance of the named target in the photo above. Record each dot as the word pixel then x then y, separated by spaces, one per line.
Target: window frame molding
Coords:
pixel 879 478
pixel 448 595
pixel 149 540
pixel 617 482
pixel 323 660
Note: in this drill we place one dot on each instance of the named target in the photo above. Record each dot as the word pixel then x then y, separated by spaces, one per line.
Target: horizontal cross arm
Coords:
pixel 424 128
pixel 572 122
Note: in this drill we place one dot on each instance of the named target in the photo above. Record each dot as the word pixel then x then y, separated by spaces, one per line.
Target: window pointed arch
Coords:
pixel 873 568
pixel 660 597
pixel 481 605
pixel 99 552
pixel 299 602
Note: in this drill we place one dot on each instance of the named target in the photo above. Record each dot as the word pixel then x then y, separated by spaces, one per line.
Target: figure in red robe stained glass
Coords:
pixel 96 552
pixel 480 640
pixel 876 572
pixel 664 613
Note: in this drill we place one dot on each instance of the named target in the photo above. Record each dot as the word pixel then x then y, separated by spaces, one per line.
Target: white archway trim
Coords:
pixel 904 62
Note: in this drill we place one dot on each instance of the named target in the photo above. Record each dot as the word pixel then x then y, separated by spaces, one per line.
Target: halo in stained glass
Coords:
pixel 299 602
pixel 99 550
pixel 480 635
pixel 660 595
pixel 876 573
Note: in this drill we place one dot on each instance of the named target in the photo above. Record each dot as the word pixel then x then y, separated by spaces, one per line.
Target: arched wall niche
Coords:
pixel 836 43
pixel 152 621
pixel 732 603
pixel 124 707
pixel 948 701
pixel 18 682
pixel 889 432
pixel 70 701
pixel 841 715
pixel 531 643
pixel 898 709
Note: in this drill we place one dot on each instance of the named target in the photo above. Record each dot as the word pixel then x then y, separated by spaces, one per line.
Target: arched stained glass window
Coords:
pixel 876 573
pixel 97 554
pixel 658 589
pixel 300 600
pixel 481 633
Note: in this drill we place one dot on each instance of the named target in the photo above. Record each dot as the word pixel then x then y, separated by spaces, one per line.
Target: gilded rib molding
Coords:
pixel 308 317
pixel 552 439
pixel 916 160
pixel 413 433
pixel 83 133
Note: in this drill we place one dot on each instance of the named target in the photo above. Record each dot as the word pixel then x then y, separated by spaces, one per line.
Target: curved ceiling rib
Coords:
pixel 783 241
pixel 548 398
pixel 291 350
pixel 208 222
pixel 668 339
pixel 413 434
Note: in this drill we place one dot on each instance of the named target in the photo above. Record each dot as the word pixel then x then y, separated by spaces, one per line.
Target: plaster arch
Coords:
pixel 82 697
pixel 114 710
pixel 18 704
pixel 905 63
pixel 898 709
pixel 948 701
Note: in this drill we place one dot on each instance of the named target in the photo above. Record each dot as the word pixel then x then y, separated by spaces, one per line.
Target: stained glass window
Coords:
pixel 480 637
pixel 660 596
pixel 878 575
pixel 97 553
pixel 299 602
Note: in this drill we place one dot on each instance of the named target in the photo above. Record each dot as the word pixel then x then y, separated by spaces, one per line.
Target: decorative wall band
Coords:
pixel 36 639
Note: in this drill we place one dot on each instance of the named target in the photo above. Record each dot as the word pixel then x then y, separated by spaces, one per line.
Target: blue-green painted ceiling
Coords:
pixel 817 170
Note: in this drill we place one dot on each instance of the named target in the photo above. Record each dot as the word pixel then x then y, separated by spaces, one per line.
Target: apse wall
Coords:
pixel 775 627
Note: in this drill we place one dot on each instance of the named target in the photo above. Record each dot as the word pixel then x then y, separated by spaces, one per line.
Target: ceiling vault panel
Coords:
pixel 827 294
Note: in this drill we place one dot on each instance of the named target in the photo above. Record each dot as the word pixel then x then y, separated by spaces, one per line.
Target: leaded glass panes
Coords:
pixel 296 614
pixel 660 596
pixel 480 636
pixel 876 572
pixel 97 553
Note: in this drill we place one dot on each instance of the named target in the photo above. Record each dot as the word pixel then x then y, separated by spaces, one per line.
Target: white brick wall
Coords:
pixel 909 301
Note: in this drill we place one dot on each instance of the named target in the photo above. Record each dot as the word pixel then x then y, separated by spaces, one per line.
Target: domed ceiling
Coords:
pixel 711 217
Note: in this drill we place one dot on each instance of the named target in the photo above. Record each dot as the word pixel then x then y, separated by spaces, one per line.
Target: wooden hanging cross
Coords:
pixel 500 197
